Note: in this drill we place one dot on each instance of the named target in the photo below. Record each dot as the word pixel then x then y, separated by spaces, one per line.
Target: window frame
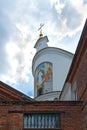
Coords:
pixel 56 114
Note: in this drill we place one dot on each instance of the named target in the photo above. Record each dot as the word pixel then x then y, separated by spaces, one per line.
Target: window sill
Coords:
pixel 42 129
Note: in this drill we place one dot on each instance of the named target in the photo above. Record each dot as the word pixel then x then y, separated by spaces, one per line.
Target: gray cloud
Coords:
pixel 4 36
pixel 73 17
pixel 6 30
pixel 68 13
pixel 85 1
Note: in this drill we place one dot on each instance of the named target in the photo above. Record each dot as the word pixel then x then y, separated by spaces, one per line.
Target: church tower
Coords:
pixel 50 67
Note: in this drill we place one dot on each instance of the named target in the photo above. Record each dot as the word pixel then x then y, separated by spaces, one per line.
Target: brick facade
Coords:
pixel 78 74
pixel 11 113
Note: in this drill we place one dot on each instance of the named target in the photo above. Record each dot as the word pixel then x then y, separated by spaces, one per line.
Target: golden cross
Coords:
pixel 40 28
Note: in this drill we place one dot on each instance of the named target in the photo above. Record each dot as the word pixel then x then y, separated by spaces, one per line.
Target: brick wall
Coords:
pixel 82 88
pixel 81 79
pixel 78 74
pixel 11 115
pixel 3 117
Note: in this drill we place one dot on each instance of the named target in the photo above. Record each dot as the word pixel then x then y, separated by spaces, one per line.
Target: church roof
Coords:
pixel 7 93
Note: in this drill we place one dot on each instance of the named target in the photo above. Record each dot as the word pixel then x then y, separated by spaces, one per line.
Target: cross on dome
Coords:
pixel 40 29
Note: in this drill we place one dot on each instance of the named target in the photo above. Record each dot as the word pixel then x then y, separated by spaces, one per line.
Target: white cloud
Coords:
pixel 71 16
pixel 81 7
pixel 58 5
pixel 19 23
pixel 23 30
pixel 20 54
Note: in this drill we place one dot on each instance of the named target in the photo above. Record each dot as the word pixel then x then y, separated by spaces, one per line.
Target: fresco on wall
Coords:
pixel 44 78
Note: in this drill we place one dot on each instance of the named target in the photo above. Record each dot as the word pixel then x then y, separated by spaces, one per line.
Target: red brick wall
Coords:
pixel 3 117
pixel 10 121
pixel 81 78
pixel 15 121
pixel 84 117
pixel 11 116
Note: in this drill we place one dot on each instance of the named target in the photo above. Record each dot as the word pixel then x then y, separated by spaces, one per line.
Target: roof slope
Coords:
pixel 8 93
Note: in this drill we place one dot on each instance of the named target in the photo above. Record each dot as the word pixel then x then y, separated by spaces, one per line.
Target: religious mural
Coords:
pixel 44 78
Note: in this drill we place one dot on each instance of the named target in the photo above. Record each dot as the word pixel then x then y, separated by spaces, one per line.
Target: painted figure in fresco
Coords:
pixel 48 75
pixel 40 77
pixel 40 81
pixel 44 78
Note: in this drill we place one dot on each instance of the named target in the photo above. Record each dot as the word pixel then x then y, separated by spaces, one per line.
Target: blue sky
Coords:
pixel 19 22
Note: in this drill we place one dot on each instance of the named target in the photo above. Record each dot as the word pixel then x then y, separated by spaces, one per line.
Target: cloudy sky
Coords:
pixel 19 22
